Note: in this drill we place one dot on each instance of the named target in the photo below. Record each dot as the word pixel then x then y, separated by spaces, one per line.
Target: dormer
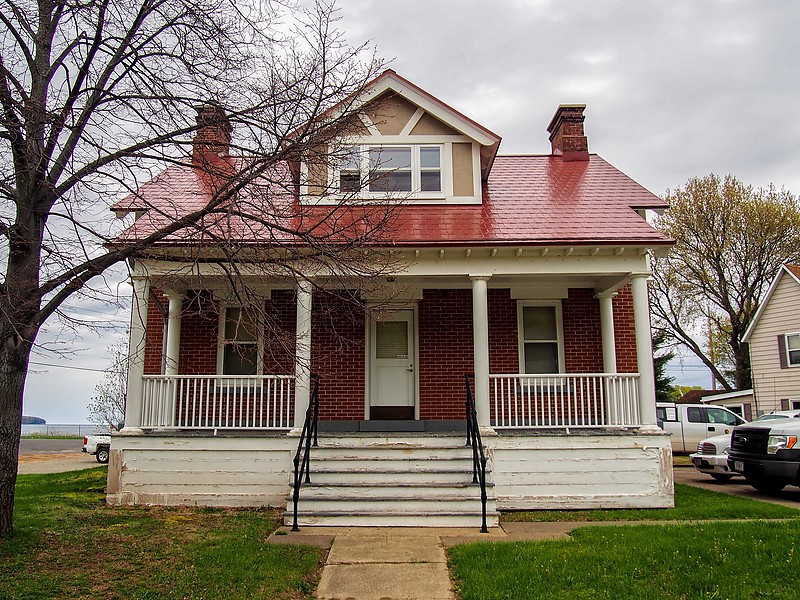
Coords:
pixel 402 143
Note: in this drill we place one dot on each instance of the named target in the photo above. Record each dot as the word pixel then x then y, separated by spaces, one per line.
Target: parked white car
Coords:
pixel 712 457
pixel 712 453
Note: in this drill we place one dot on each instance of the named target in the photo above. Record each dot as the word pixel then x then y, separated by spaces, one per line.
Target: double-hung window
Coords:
pixel 540 338
pixel 793 349
pixel 391 169
pixel 239 342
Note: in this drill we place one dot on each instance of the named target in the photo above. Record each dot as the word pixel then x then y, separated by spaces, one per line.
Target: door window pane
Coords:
pixel 391 339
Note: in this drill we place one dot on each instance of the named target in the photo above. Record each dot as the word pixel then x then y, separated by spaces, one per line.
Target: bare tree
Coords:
pixel 97 97
pixel 107 407
pixel 731 240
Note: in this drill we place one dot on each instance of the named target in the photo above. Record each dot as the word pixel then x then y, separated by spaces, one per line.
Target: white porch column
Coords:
pixel 607 331
pixel 480 343
pixel 302 365
pixel 644 351
pixel 133 402
pixel 173 332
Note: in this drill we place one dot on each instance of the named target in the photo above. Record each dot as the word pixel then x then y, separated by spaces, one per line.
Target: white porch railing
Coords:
pixel 218 401
pixel 563 400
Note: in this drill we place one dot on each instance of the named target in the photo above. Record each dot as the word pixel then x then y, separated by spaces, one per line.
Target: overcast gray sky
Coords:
pixel 673 90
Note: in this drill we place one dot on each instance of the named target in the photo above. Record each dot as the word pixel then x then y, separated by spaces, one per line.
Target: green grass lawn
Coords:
pixel 68 544
pixel 737 561
pixel 691 503
pixel 752 558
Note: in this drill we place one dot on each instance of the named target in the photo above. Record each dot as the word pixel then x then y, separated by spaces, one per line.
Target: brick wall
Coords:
pixel 503 338
pixel 338 356
pixel 624 332
pixel 583 347
pixel 199 341
pixel 154 337
pixel 445 347
pixel 279 333
pixel 445 352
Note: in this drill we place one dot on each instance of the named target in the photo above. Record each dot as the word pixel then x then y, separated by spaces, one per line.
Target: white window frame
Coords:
pixel 222 341
pixel 416 172
pixel 789 362
pixel 521 304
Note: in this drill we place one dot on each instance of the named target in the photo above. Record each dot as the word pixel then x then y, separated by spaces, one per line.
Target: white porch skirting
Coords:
pixel 588 469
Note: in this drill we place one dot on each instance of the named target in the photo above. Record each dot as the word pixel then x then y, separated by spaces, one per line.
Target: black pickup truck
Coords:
pixel 767 454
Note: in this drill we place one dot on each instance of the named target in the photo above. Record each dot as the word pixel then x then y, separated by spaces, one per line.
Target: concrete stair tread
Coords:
pixel 411 484
pixel 387 498
pixel 383 513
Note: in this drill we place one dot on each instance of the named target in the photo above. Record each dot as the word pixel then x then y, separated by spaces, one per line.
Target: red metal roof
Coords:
pixel 527 200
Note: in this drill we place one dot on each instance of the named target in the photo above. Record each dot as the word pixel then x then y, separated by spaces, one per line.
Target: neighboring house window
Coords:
pixel 239 352
pixel 793 349
pixel 391 169
pixel 540 338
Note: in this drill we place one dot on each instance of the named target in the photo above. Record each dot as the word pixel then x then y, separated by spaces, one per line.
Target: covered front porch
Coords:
pixel 580 435
pixel 542 354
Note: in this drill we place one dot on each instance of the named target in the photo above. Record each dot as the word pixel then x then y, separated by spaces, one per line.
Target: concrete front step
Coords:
pixel 390 453
pixel 388 504
pixel 366 476
pixel 378 519
pixel 393 440
pixel 426 490
pixel 393 482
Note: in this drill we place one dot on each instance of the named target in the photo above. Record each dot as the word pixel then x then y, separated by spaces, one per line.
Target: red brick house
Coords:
pixel 529 272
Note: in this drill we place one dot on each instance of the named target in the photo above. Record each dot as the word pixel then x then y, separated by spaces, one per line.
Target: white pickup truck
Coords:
pixel 689 424
pixel 98 445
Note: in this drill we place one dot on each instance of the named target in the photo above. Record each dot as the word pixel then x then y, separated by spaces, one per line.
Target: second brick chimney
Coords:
pixel 213 131
pixel 567 138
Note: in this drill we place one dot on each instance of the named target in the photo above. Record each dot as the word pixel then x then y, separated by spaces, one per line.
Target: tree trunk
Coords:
pixel 13 372
pixel 742 375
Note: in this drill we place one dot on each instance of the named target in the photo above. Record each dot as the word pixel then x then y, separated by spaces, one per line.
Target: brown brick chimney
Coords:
pixel 213 131
pixel 567 138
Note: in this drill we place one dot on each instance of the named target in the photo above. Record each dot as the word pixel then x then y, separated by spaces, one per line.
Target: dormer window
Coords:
pixel 392 169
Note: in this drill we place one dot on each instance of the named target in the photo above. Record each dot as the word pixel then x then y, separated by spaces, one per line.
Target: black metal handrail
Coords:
pixel 478 455
pixel 302 458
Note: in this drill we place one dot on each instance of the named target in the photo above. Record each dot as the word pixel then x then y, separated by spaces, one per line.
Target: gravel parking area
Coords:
pixel 53 456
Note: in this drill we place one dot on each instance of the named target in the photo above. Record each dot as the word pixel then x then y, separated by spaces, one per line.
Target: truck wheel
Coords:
pixel 766 486
pixel 721 478
pixel 102 455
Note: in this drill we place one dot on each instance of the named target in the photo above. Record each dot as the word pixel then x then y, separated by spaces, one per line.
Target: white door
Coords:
pixel 392 365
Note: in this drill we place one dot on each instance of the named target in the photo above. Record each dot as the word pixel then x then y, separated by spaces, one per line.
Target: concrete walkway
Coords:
pixel 384 563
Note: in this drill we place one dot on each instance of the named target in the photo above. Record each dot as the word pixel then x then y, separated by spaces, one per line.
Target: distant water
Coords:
pixel 76 429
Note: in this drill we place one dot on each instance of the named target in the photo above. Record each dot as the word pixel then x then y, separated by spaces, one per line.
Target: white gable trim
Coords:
pixel 390 81
pixel 763 306
pixel 368 123
pixel 412 122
